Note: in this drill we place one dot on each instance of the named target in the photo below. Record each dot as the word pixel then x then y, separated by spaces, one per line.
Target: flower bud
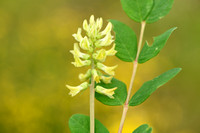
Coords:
pixel 92 20
pixel 85 25
pixel 99 24
pixel 76 89
pixel 104 91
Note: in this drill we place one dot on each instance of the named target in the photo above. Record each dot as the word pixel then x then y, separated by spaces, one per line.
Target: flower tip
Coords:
pixel 91 19
pixel 71 51
pixel 111 92
pixel 85 25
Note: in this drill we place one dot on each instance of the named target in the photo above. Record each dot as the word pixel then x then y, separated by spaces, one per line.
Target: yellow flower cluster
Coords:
pixel 94 55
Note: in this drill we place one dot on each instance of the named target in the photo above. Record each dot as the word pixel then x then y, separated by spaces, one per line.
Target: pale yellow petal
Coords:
pixel 100 55
pixel 104 91
pixel 85 76
pixel 74 90
pixel 111 51
pixel 80 63
pixel 85 44
pixel 78 36
pixel 106 69
pixel 76 52
pixel 107 29
pixel 106 79
pixel 96 76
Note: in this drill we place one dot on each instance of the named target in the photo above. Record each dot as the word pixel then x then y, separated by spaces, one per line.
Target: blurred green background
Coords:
pixel 35 39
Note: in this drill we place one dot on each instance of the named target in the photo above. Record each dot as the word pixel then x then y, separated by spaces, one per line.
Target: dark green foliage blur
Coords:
pixel 35 39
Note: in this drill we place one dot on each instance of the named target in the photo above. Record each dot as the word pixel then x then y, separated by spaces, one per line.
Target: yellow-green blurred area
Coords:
pixel 35 39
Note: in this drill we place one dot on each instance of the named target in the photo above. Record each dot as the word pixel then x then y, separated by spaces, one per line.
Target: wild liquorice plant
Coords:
pixel 99 78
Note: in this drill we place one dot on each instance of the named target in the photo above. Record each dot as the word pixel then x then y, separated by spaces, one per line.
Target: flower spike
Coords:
pixel 94 55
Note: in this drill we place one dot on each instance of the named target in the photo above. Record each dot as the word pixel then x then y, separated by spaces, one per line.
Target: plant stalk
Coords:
pixel 135 65
pixel 92 95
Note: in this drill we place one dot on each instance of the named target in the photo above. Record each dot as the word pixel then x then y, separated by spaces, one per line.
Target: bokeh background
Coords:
pixel 35 39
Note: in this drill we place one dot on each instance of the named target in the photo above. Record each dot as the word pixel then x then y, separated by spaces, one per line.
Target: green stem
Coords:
pixel 135 65
pixel 92 95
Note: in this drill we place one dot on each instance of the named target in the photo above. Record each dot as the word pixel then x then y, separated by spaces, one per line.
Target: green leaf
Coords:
pixel 119 96
pixel 149 52
pixel 137 10
pixel 143 129
pixel 147 10
pixel 126 41
pixel 160 9
pixel 79 123
pixel 150 86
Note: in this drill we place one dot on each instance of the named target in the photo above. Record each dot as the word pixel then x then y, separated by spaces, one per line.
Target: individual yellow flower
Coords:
pixel 111 51
pixel 96 76
pixel 106 79
pixel 84 77
pixel 99 24
pixel 76 89
pixel 85 44
pixel 107 29
pixel 79 63
pixel 92 22
pixel 76 52
pixel 78 35
pixel 85 25
pixel 100 55
pixel 106 69
pixel 106 41
pixel 104 91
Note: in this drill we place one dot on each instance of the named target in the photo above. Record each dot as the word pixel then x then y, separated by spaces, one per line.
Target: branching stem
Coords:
pixel 135 65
